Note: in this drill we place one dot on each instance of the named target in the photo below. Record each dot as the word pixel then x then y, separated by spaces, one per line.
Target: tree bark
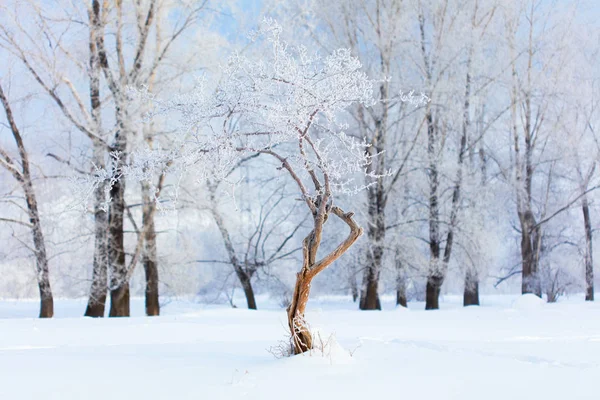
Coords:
pixel 376 234
pixel 151 292
pixel 150 254
pixel 245 281
pixel 97 299
pixel 301 338
pixel 370 300
pixel 119 284
pixel 432 292
pixel 471 291
pixel 376 215
pixel 530 253
pixel 401 299
pixel 589 260
pixel 119 274
pixel 436 273
pixel 119 301
pixel 41 259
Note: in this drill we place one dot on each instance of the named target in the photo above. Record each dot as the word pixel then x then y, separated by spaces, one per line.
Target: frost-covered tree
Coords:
pixel 20 169
pixel 376 32
pixel 285 106
pixel 533 35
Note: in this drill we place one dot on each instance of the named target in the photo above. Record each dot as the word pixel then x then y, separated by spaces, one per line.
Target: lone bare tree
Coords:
pixel 285 105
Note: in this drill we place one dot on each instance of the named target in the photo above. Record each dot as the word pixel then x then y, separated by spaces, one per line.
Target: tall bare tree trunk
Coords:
pixel 376 215
pixel 530 248
pixel 436 274
pixel 376 194
pixel 150 254
pixel 119 286
pixel 119 283
pixel 471 288
pixel 589 260
pixel 531 232
pixel 456 192
pixel 41 259
pixel 23 176
pixel 376 233
pixel 97 299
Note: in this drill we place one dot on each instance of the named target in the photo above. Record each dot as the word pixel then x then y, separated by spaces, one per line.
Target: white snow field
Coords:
pixel 510 348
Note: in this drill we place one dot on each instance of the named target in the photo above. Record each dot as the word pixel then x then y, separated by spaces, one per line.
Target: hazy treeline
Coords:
pixel 490 184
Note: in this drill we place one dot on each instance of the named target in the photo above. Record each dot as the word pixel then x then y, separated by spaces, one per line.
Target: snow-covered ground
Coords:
pixel 510 348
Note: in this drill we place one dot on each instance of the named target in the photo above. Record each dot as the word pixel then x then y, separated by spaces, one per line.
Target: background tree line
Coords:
pixel 491 184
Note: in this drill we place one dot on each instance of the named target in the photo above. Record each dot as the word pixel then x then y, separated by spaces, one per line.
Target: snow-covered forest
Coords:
pixel 136 138
pixel 318 158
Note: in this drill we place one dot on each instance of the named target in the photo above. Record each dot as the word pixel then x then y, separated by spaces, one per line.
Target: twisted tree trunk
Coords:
pixel 301 338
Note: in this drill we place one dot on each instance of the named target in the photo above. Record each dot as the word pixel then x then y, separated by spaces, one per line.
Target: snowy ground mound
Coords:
pixel 496 352
pixel 528 302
